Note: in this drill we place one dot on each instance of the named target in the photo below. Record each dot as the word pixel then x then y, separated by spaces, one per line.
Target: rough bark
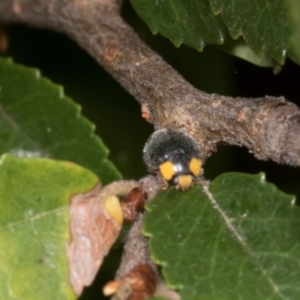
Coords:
pixel 269 127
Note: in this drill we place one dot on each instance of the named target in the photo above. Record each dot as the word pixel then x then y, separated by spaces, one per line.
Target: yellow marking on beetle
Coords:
pixel 195 166
pixel 167 170
pixel 185 181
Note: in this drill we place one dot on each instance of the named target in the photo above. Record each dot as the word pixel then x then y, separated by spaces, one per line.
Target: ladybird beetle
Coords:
pixel 174 156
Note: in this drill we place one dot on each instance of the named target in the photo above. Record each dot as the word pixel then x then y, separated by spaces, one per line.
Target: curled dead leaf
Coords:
pixel 138 284
pixel 96 220
pixel 94 229
pixel 133 203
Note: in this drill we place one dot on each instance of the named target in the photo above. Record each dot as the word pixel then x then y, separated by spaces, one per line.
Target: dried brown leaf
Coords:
pixel 138 284
pixel 133 203
pixel 93 232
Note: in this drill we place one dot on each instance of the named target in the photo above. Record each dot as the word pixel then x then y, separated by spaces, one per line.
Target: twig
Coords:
pixel 269 127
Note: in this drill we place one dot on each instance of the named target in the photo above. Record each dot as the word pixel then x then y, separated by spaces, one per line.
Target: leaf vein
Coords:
pixel 240 238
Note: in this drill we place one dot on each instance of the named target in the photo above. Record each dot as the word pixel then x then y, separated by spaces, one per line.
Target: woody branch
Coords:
pixel 269 127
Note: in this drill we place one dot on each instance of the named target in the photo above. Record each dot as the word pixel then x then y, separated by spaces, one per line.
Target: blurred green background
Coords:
pixel 117 115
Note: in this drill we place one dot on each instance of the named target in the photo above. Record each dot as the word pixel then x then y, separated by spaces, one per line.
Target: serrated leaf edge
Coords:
pixel 61 95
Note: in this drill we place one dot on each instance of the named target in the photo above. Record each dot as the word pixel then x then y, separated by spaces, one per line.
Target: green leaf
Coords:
pixel 34 225
pixel 38 120
pixel 263 25
pixel 189 22
pixel 238 240
pixel 293 8
pixel 240 49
